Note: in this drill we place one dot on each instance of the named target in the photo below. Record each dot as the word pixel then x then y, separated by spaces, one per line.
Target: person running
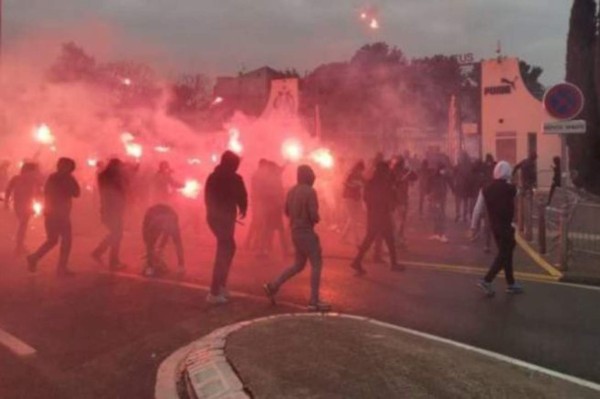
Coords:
pixel 302 208
pixel 161 223
pixel 225 197
pixel 59 191
pixel 380 200
pixel 113 199
pixel 498 198
pixel 23 190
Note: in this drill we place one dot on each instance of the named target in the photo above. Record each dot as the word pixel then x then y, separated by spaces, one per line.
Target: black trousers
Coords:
pixel 504 259
pixel 224 231
pixel 378 226
pixel 57 228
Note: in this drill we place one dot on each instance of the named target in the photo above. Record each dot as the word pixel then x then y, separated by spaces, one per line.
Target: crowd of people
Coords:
pixel 375 199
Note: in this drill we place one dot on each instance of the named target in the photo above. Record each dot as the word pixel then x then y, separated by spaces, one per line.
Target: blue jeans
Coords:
pixel 308 248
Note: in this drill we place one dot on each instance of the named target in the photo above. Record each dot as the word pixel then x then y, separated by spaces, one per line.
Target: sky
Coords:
pixel 220 37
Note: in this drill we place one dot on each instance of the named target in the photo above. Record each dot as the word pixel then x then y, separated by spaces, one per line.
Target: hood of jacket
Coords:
pixel 230 162
pixel 502 171
pixel 305 175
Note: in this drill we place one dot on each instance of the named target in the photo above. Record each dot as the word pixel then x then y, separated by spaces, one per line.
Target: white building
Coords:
pixel 512 118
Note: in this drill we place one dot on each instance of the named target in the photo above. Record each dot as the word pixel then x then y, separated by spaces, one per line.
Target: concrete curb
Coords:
pixel 209 375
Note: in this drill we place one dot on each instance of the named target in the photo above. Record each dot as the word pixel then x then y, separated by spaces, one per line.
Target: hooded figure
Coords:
pixel 498 199
pixel 302 208
pixel 59 191
pixel 381 203
pixel 225 196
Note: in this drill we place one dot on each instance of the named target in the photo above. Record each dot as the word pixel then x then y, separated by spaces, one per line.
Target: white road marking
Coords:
pixel 503 358
pixel 201 287
pixel 15 345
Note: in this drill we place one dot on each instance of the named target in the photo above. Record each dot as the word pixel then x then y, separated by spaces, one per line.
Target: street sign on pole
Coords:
pixel 577 126
pixel 564 101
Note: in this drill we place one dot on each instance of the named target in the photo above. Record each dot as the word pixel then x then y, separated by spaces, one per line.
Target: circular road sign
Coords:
pixel 564 101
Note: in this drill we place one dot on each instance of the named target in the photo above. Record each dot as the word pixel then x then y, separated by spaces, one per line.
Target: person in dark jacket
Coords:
pixel 59 191
pixel 225 197
pixel 556 178
pixel 161 223
pixel 302 208
pixel 112 185
pixel 528 169
pixel 498 199
pixel 23 190
pixel 439 182
pixel 380 200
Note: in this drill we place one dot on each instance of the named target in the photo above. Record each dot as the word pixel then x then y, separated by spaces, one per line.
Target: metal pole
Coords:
pixel 542 227
pixel 529 216
pixel 564 240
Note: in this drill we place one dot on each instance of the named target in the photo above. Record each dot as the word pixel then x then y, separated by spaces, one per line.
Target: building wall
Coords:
pixel 512 118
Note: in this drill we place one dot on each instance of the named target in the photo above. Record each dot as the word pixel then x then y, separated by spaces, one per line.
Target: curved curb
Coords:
pixel 209 374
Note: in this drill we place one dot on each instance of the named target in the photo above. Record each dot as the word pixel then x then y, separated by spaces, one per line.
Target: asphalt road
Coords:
pixel 103 336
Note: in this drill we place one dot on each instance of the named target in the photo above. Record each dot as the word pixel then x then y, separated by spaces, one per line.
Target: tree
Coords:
pixel 531 78
pixel 73 64
pixel 190 93
pixel 580 71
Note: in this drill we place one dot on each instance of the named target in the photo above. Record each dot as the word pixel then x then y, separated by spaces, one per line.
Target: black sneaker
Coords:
pixel 31 264
pixel 270 293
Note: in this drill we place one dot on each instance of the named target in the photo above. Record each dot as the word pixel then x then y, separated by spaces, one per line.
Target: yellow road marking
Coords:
pixel 537 258
pixel 478 271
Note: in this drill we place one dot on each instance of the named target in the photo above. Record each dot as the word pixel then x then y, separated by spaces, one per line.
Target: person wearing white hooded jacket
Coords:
pixel 498 198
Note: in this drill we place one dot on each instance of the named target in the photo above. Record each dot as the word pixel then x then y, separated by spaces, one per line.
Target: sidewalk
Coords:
pixel 313 356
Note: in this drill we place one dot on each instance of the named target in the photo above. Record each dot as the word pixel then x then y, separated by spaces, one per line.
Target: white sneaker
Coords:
pixel 443 238
pixel 216 299
pixel 434 237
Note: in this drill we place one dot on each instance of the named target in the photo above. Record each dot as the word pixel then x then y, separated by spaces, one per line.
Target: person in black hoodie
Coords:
pixel 225 196
pixel 498 198
pixel 59 191
pixel 379 197
pixel 302 208
pixel 113 201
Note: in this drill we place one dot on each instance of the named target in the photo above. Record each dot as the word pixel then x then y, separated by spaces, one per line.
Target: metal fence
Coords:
pixel 567 231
